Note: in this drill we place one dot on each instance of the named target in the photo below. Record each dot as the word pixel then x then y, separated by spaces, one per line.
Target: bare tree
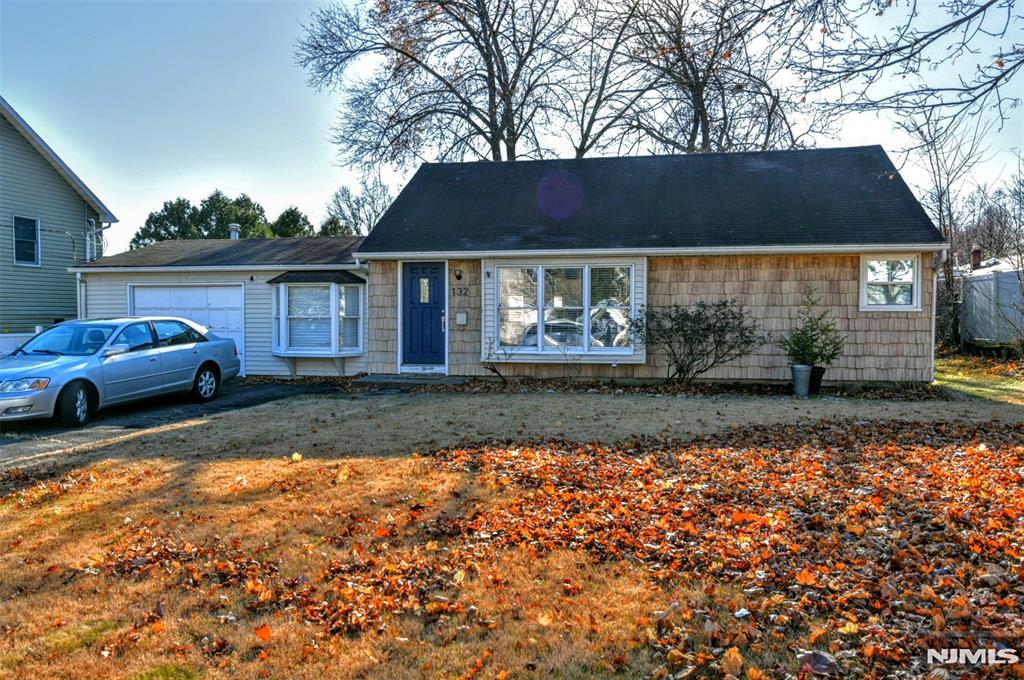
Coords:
pixel 455 78
pixel 715 87
pixel 603 83
pixel 354 214
pixel 957 57
pixel 948 151
pixel 990 223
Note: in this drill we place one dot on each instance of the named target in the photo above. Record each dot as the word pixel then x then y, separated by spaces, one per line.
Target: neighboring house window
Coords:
pixel 563 309
pixel 890 283
pixel 26 241
pixel 318 319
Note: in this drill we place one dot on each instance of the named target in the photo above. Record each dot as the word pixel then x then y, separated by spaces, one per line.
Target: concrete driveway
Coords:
pixel 33 439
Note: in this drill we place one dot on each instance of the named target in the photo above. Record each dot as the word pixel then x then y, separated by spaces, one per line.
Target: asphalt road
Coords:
pixel 32 439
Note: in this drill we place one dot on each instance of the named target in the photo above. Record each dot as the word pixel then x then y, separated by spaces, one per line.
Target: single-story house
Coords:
pixel 537 265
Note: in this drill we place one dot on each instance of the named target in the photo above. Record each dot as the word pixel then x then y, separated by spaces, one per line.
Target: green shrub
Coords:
pixel 695 339
pixel 816 340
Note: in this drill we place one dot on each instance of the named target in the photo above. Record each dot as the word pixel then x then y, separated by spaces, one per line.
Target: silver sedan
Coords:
pixel 75 368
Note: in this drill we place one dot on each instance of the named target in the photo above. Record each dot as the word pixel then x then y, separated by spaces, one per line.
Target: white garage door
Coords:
pixel 219 308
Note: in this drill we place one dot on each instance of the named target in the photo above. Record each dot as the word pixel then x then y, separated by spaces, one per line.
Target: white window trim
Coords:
pixel 583 351
pixel 280 310
pixel 39 242
pixel 915 306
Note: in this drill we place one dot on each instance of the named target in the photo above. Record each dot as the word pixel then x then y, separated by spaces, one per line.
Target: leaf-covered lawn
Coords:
pixel 772 551
pixel 982 377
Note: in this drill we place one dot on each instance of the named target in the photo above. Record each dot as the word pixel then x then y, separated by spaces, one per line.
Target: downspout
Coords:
pixel 83 296
pixel 937 263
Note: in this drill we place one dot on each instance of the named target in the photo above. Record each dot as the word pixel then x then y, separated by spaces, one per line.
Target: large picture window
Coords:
pixel 318 319
pixel 890 283
pixel 557 309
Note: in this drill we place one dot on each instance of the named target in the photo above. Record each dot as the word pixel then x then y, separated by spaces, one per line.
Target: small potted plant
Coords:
pixel 814 344
pixel 799 346
pixel 828 346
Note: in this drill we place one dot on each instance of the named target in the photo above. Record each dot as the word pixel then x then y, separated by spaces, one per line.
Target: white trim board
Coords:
pixel 216 268
pixel 852 249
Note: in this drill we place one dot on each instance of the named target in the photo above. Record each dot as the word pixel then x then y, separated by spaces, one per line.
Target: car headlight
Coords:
pixel 24 385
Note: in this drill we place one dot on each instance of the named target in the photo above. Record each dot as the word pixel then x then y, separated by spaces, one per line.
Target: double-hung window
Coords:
pixel 318 319
pixel 26 241
pixel 890 283
pixel 564 309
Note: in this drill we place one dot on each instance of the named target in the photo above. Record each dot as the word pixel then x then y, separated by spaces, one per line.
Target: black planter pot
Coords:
pixel 817 373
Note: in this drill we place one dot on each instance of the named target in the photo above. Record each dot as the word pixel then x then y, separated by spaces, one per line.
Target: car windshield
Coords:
pixel 73 340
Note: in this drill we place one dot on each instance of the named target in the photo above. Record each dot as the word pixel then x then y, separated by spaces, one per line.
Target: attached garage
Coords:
pixel 261 293
pixel 221 308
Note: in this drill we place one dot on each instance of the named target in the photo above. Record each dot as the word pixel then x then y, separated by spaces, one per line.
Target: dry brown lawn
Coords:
pixel 207 549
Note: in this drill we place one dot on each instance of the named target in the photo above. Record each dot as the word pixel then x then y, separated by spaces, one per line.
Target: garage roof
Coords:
pixel 317 277
pixel 800 199
pixel 283 253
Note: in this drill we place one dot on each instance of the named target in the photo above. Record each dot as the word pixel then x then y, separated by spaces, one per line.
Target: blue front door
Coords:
pixel 423 302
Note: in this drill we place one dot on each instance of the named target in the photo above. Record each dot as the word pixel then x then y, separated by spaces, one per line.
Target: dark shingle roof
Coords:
pixel 317 277
pixel 240 252
pixel 819 197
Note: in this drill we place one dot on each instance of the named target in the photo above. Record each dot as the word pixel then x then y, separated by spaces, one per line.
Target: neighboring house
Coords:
pixel 537 265
pixel 49 221
pixel 293 306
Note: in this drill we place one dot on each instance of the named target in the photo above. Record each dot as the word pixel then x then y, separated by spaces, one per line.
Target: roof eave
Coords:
pixel 215 268
pixel 19 123
pixel 669 252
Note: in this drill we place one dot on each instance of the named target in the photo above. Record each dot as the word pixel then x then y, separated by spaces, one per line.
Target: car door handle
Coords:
pixel 152 358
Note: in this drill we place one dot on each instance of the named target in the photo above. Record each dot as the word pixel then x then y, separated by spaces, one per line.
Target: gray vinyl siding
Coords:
pixel 106 294
pixel 30 187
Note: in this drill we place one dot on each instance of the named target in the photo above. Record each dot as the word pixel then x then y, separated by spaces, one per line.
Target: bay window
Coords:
pixel 564 309
pixel 890 283
pixel 318 319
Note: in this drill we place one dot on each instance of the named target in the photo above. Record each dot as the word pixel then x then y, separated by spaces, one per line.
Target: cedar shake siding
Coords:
pixel 879 346
pixel 382 322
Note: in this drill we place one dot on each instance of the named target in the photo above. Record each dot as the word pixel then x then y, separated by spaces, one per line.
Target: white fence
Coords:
pixel 993 308
pixel 10 341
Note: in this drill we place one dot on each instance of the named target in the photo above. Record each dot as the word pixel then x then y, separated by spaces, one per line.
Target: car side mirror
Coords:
pixel 115 349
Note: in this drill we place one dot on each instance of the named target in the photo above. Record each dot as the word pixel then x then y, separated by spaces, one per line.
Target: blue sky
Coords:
pixel 147 101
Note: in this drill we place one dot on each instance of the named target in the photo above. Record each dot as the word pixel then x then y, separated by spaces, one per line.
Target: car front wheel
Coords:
pixel 206 385
pixel 73 405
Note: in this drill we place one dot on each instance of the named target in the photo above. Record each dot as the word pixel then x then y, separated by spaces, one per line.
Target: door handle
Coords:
pixel 152 358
